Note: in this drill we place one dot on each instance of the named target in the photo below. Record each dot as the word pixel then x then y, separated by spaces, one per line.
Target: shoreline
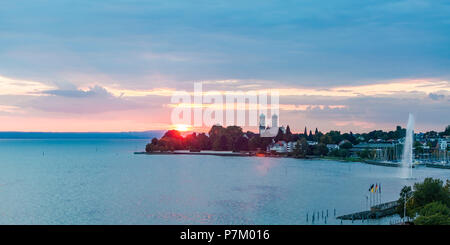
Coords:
pixel 234 154
pixel 250 154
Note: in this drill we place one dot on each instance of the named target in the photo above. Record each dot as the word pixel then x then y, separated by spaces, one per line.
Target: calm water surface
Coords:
pixel 103 182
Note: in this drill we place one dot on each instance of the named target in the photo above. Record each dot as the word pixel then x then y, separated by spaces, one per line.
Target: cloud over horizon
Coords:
pixel 349 65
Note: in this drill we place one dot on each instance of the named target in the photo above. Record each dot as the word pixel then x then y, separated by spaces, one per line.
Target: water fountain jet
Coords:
pixel 407 157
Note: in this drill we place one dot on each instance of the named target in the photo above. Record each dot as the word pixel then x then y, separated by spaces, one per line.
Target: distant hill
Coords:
pixel 81 135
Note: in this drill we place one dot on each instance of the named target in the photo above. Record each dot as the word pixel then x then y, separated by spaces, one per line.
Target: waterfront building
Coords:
pixel 291 146
pixel 382 151
pixel 272 131
pixel 279 147
pixel 442 144
pixel 332 147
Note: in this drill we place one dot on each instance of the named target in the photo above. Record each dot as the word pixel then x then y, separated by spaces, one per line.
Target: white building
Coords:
pixel 332 147
pixel 279 147
pixel 265 131
pixel 291 146
pixel 443 144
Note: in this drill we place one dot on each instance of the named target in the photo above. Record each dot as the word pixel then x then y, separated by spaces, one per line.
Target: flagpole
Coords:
pixel 373 190
pixel 371 203
pixel 380 192
pixel 367 202
pixel 378 187
pixel 376 196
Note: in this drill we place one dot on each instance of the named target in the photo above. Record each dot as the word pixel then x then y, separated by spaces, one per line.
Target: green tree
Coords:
pixel 300 148
pixel 429 200
pixel 154 141
pixel 215 133
pixel 288 135
pixel 320 150
pixel 434 213
pixel 326 139
pixel 447 131
pixel 430 190
pixel 148 148
pixel 418 148
pixel 297 152
pixel 280 135
pixel 223 143
pixel 233 133
pixel 172 140
pixel 152 146
pixel 346 145
pixel 405 194
pixel 204 142
pixel 241 144
pixel 367 154
pixel 254 143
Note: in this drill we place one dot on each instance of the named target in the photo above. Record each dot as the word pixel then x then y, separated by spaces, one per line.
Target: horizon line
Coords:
pixel 191 131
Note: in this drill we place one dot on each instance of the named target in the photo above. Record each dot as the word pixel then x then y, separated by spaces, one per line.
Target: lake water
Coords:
pixel 102 182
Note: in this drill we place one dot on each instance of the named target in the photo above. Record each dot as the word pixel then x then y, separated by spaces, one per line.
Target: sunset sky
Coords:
pixel 113 65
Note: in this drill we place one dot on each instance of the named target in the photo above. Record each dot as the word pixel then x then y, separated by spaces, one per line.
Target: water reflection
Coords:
pixel 76 184
pixel 264 165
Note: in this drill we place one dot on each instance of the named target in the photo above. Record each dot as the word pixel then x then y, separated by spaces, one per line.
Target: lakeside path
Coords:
pixel 249 154
pixel 213 153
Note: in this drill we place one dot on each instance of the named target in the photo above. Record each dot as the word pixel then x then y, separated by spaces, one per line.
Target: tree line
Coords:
pixel 427 203
pixel 233 138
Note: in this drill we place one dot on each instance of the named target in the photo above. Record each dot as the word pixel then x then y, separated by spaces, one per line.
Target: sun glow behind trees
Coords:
pixel 182 127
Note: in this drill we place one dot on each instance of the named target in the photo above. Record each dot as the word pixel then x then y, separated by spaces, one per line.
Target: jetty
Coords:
pixel 382 163
pixel 434 165
pixel 375 212
pixel 397 165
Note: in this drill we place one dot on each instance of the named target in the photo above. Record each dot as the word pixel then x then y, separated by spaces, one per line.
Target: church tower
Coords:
pixel 262 123
pixel 274 121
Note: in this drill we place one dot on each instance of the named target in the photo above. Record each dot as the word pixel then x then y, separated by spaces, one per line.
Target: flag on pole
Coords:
pixel 376 187
pixel 371 188
pixel 379 188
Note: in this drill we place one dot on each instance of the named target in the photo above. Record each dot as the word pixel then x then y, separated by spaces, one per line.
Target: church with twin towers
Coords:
pixel 269 131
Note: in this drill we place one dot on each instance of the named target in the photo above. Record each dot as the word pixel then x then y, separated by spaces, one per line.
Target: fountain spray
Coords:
pixel 407 158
